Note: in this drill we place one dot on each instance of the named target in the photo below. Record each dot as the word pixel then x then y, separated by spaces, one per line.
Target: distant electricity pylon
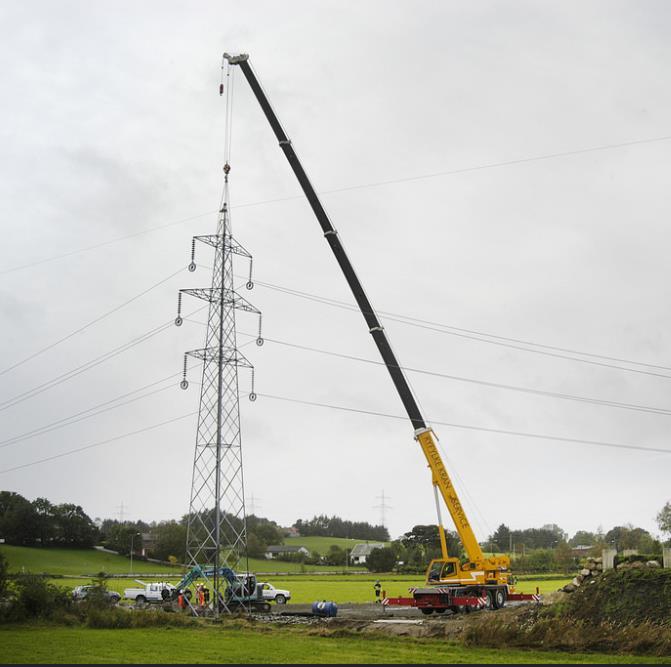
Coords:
pixel 253 504
pixel 216 528
pixel 383 507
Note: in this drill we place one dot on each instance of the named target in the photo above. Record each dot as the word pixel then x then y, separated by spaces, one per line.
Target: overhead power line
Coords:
pixel 100 443
pixel 540 436
pixel 348 188
pixel 79 251
pixel 68 375
pixel 486 383
pixel 479 336
pixel 90 323
pixel 341 408
pixel 94 411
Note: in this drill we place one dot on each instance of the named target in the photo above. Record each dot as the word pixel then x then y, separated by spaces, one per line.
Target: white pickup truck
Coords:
pixel 148 592
pixel 271 593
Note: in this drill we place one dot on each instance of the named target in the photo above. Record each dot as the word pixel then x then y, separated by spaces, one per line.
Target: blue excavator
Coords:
pixel 242 592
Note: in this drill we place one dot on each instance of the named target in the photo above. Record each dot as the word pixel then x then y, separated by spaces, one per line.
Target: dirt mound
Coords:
pixel 624 596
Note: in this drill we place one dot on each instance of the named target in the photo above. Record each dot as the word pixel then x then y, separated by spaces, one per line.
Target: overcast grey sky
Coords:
pixel 111 124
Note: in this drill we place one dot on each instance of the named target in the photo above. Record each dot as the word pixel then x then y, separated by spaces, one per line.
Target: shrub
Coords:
pixel 120 618
pixel 37 598
pixel 624 596
pixel 545 628
pixel 4 570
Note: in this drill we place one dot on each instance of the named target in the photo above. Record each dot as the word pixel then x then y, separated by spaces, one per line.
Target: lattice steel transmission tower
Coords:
pixel 216 531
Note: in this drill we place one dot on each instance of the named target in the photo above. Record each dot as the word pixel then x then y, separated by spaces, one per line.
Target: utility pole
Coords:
pixel 383 507
pixel 216 526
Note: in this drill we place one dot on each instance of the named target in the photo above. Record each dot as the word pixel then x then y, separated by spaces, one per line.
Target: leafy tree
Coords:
pixel 501 537
pixel 664 519
pixel 381 560
pixel 336 555
pixel 564 557
pixel 267 532
pixel 629 537
pixel 45 523
pixel 73 527
pixel 334 526
pixel 169 539
pixel 426 539
pixel 18 521
pixel 583 538
pixel 37 598
pixel 4 575
pixel 255 547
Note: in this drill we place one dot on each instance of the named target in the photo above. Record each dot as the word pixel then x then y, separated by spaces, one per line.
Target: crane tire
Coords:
pixel 426 612
pixel 499 598
pixel 140 600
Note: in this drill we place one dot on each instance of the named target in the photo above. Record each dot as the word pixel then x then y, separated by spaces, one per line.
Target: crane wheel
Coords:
pixel 426 612
pixel 498 598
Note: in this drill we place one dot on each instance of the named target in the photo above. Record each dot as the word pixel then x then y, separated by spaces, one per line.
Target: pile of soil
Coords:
pixel 624 596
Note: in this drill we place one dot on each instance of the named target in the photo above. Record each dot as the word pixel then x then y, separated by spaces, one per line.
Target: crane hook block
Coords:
pixel 221 89
pixel 227 168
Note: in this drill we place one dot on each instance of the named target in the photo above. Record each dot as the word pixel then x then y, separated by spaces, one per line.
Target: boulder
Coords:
pixel 653 563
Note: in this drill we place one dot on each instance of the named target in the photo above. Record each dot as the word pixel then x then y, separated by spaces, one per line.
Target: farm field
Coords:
pixel 305 588
pixel 78 562
pixel 74 561
pixel 280 645
pixel 342 589
pixel 322 544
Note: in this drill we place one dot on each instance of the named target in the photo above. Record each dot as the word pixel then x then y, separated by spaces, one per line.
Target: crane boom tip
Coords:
pixel 235 60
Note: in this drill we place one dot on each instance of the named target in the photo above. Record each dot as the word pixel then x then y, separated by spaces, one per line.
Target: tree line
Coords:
pixel 41 523
pixel 334 526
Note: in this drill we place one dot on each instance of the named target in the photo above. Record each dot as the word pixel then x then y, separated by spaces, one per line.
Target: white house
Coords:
pixel 276 550
pixel 361 551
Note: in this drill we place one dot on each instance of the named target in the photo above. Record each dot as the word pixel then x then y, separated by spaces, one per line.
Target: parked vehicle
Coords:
pixel 82 592
pixel 269 592
pixel 149 592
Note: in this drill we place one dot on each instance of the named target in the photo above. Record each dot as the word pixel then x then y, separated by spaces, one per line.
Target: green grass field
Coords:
pixel 279 645
pixel 74 561
pixel 343 589
pixel 78 562
pixel 322 544
pixel 305 588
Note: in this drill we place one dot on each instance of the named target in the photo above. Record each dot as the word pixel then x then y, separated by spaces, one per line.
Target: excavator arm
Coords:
pixel 424 435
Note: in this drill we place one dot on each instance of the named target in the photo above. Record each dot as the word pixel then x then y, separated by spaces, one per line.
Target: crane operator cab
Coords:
pixel 442 570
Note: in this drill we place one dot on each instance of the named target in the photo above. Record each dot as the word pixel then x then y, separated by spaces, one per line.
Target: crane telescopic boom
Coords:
pixel 424 435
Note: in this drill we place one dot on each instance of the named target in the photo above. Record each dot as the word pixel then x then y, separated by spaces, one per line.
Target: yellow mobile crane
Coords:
pixel 450 584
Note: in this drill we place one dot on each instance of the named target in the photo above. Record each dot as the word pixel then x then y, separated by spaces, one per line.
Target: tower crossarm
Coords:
pixel 230 297
pixel 230 244
pixel 229 355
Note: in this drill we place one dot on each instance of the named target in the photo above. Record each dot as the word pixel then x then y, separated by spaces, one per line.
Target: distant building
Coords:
pixel 290 531
pixel 146 544
pixel 276 550
pixel 360 552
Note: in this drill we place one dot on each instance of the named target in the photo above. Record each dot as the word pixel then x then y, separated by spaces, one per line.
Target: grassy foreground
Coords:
pixel 280 645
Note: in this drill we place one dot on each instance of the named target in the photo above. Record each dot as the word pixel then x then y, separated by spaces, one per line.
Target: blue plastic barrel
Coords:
pixel 325 609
